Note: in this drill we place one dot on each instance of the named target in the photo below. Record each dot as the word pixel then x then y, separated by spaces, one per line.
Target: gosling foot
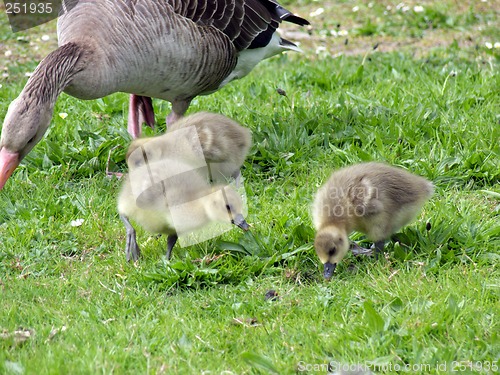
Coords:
pixel 358 250
pixel 171 240
pixel 132 250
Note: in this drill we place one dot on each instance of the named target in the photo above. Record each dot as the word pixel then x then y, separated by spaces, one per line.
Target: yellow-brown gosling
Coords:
pixel 200 138
pixel 373 198
pixel 171 198
pixel 224 142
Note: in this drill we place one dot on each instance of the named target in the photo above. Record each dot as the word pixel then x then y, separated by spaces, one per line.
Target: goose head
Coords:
pixel 23 127
pixel 331 244
pixel 28 116
pixel 225 205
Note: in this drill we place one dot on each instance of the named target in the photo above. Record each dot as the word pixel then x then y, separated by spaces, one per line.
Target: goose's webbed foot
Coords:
pixel 377 246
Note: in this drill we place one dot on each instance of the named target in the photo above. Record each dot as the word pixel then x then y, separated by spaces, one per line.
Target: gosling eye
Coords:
pixel 228 207
pixel 332 251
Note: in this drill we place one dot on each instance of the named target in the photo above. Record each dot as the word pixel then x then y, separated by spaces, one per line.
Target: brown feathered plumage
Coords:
pixel 167 49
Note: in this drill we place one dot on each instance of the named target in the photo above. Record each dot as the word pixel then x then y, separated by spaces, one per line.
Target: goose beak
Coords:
pixel 8 163
pixel 328 271
pixel 240 221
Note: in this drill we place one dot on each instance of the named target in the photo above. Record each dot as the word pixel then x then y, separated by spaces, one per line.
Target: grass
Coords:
pixel 71 304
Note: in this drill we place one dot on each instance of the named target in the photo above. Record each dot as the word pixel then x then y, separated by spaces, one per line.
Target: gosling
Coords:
pixel 169 197
pixel 373 198
pixel 203 138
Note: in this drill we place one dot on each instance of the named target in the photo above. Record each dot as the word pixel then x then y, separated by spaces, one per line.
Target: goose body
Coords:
pixel 372 198
pixel 200 138
pixel 151 49
pixel 167 49
pixel 169 197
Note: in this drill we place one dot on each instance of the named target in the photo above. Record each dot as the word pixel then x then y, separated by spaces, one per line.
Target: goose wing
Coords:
pixel 248 23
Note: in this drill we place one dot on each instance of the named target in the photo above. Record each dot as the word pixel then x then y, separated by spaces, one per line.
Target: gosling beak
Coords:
pixel 239 221
pixel 8 163
pixel 328 271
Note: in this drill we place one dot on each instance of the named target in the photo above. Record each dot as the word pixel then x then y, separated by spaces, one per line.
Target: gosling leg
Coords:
pixel 171 240
pixel 132 250
pixel 379 248
pixel 237 179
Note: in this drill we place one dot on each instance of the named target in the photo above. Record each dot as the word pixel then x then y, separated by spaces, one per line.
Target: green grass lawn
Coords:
pixel 426 99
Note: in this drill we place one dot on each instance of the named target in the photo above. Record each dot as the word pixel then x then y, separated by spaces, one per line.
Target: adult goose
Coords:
pixel 167 49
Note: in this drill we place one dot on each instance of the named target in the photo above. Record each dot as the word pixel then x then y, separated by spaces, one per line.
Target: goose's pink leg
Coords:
pixel 179 107
pixel 140 111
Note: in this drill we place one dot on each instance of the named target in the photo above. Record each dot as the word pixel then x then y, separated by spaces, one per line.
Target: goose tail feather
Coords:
pixel 286 15
pixel 293 18
pixel 286 44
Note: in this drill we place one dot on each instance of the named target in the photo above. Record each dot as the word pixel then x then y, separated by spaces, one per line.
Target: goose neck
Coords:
pixel 53 74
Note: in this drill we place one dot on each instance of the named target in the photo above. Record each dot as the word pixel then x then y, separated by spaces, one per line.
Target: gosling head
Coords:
pixel 331 244
pixel 23 127
pixel 225 205
pixel 142 151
